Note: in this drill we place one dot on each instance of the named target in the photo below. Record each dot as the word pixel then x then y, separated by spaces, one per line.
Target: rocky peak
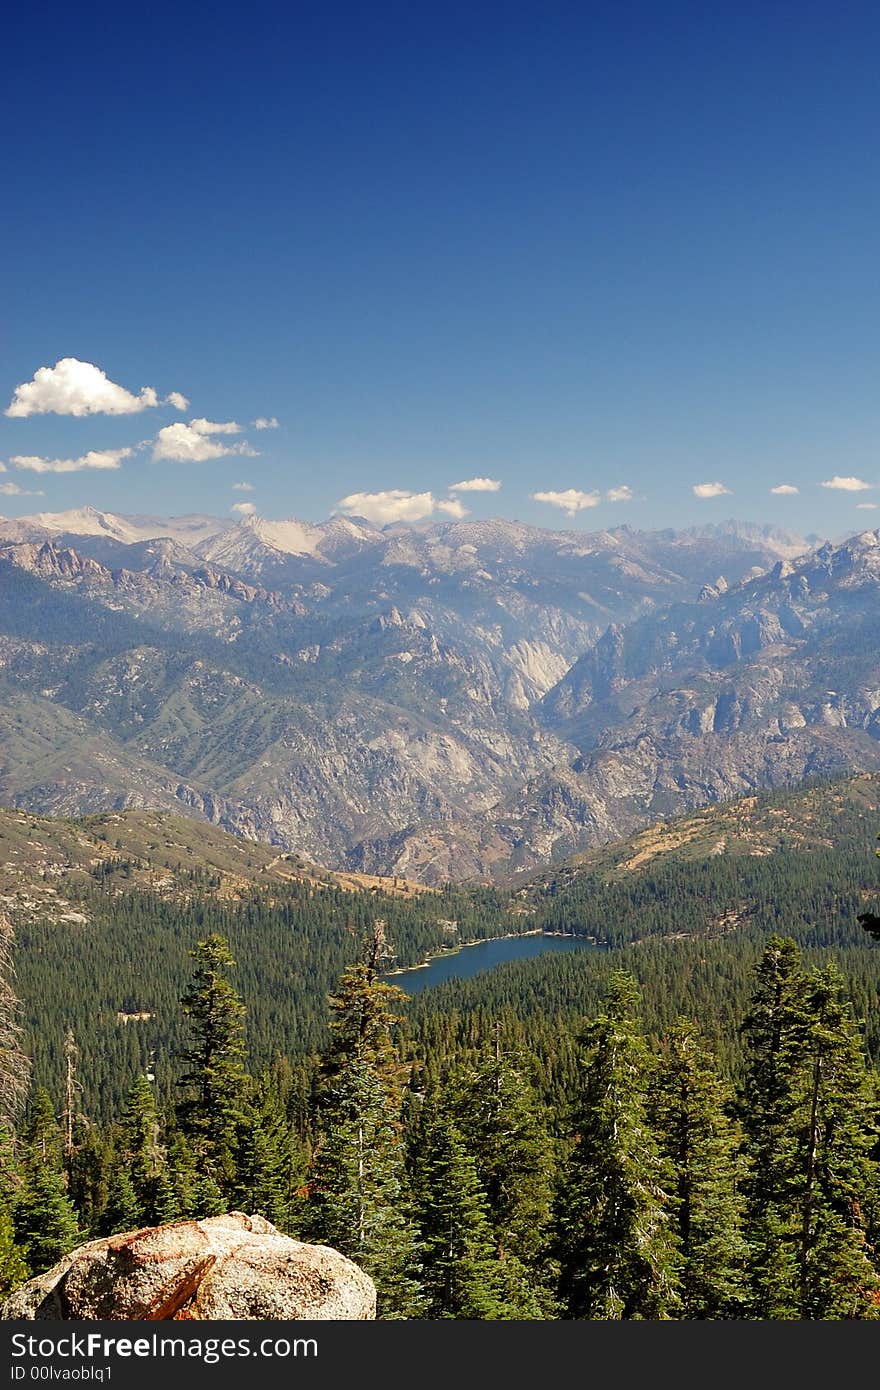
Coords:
pixel 50 561
pixel 710 591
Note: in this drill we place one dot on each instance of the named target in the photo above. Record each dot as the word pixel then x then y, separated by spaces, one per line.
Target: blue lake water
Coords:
pixel 473 960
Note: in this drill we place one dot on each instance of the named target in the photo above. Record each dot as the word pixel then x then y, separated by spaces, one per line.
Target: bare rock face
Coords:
pixel 232 1266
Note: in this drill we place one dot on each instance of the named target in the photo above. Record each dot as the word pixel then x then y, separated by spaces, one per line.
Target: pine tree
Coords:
pixel 689 1111
pixel 615 1243
pixel 141 1140
pixel 14 1065
pixel 264 1159
pixel 215 1082
pixel 13 1265
pixel 362 1011
pixel 206 1199
pixel 355 1181
pixel 10 1169
pixel 836 1133
pixel 165 1203
pixel 774 1030
pixel 45 1223
pixel 44 1219
pixel 123 1211
pixel 42 1136
pixel 461 1275
pixel 498 1115
pixel 88 1172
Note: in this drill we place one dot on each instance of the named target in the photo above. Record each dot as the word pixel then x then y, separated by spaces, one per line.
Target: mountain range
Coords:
pixel 466 700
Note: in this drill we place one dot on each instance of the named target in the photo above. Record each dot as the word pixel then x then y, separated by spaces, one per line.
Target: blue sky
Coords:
pixel 573 249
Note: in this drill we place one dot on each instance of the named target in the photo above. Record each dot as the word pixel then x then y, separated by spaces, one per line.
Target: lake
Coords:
pixel 473 960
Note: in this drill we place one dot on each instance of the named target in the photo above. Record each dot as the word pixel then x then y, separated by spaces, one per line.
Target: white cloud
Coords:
pixel 785 490
pixel 177 400
pixel 866 506
pixel 706 490
pixel 2 467
pixel 203 426
pixel 244 508
pixel 265 422
pixel 394 505
pixel 242 487
pixel 452 507
pixel 571 501
pixel 846 484
pixel 13 490
pixel 191 443
pixel 624 493
pixel 72 387
pixel 476 485
pixel 95 458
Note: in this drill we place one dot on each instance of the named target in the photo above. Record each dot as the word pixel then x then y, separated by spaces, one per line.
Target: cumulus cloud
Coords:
pixel 72 387
pixel 846 484
pixel 785 490
pixel 13 490
pixel 244 508
pixel 95 458
pixel 452 507
pixel 265 422
pixel 624 493
pixel 476 485
pixel 571 500
pixel 242 487
pixel 193 443
pixel 177 400
pixel 394 505
pixel 866 506
pixel 706 490
pixel 203 426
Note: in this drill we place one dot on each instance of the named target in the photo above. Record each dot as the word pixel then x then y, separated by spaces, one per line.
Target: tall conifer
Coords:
pixel 689 1109
pixel 614 1235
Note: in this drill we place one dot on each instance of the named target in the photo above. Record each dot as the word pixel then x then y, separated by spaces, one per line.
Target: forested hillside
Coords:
pixel 211 1025
pixel 473 1179
pixel 105 911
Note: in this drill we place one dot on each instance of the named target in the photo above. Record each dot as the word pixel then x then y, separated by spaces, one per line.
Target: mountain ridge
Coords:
pixel 463 700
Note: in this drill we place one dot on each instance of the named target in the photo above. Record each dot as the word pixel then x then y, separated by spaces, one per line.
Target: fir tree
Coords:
pixel 165 1205
pixel 215 1082
pixel 44 1219
pixel 615 1243
pixel 264 1160
pixel 836 1133
pixel 42 1136
pixel 206 1199
pixel 461 1275
pixel 689 1111
pixel 355 1181
pixel 123 1211
pixel 88 1172
pixel 45 1222
pixel 774 1030
pixel 14 1065
pixel 500 1120
pixel 13 1265
pixel 498 1115
pixel 141 1139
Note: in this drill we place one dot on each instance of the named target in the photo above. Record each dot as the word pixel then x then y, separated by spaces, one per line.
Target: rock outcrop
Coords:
pixel 231 1266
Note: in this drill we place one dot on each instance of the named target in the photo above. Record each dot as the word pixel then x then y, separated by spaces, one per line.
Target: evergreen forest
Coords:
pixel 679 1124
